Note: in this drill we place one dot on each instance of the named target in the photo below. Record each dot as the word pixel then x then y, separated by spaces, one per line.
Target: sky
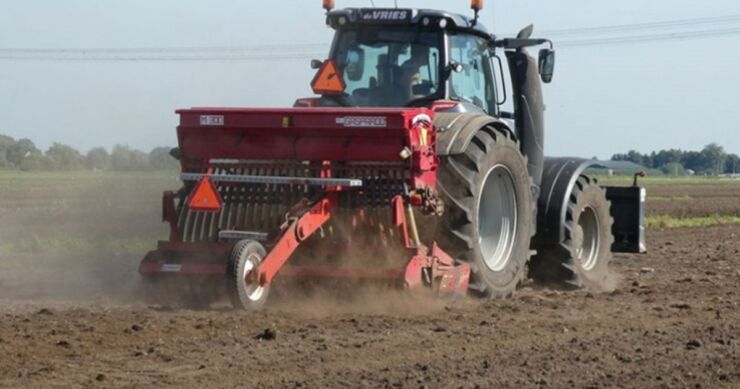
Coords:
pixel 604 99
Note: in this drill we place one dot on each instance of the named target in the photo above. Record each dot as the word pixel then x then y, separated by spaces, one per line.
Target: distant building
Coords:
pixel 612 168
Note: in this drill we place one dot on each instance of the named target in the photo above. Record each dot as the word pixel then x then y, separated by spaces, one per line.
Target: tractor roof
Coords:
pixel 401 16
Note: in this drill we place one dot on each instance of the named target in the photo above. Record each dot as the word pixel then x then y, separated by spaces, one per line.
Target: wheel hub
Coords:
pixel 252 286
pixel 588 243
pixel 497 217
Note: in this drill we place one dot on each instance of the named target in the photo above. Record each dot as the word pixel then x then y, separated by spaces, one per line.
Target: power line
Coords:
pixel 307 51
pixel 89 51
pixel 319 46
pixel 643 26
pixel 649 38
pixel 160 58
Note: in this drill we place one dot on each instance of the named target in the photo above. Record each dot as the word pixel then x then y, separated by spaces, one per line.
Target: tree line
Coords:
pixel 22 154
pixel 711 160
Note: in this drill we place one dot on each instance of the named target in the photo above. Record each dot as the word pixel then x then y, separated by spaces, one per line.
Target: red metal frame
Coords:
pixel 299 230
pixel 324 136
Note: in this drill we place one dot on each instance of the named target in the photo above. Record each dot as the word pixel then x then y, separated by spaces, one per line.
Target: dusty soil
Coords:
pixel 673 321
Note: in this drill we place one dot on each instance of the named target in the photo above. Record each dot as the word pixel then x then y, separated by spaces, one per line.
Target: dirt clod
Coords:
pixel 693 344
pixel 680 306
pixel 267 334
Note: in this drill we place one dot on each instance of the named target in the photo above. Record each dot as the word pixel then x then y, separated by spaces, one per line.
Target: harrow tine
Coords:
pixel 251 202
pixel 241 206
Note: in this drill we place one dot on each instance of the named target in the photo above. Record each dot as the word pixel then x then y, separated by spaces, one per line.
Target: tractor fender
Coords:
pixel 558 179
pixel 455 131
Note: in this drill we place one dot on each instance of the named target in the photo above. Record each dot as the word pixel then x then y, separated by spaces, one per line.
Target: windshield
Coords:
pixel 386 67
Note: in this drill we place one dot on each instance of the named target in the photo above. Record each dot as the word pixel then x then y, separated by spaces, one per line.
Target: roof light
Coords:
pixel 442 23
pixel 426 21
pixel 328 5
pixel 342 20
pixel 476 5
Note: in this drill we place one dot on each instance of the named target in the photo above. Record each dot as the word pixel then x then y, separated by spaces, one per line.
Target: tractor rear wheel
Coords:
pixel 489 219
pixel 244 289
pixel 583 259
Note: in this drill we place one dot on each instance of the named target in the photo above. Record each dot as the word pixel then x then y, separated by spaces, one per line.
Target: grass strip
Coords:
pixel 670 198
pixel 658 180
pixel 666 221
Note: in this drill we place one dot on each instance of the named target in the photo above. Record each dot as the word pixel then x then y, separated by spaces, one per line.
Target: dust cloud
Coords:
pixel 77 237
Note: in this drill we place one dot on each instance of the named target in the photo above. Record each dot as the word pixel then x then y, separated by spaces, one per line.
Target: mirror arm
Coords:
pixel 517 43
pixel 503 81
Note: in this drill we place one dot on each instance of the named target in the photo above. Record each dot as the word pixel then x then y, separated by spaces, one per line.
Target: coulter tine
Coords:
pixel 194 233
pixel 243 204
pixel 187 225
pixel 250 201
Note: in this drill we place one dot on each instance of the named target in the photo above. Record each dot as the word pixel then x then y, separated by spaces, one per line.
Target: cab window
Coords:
pixel 475 83
pixel 388 67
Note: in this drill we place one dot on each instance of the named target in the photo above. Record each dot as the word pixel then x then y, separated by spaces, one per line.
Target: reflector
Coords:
pixel 205 197
pixel 328 81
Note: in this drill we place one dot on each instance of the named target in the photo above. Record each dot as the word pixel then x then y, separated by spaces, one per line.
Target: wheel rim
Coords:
pixel 252 289
pixel 497 217
pixel 588 250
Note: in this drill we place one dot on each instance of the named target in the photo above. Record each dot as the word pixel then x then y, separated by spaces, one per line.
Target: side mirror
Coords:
pixel 455 67
pixel 547 65
pixel 316 64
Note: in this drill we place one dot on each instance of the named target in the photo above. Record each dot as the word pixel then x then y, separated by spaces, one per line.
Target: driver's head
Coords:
pixel 354 67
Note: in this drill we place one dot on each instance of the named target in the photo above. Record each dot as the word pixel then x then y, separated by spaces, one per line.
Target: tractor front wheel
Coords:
pixel 489 220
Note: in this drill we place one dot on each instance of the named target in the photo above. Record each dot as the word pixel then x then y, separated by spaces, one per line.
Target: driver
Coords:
pixel 411 70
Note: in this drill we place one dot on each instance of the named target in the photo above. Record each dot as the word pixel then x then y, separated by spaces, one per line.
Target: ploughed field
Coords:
pixel 72 313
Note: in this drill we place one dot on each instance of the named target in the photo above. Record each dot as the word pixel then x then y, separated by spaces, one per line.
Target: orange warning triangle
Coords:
pixel 328 80
pixel 205 197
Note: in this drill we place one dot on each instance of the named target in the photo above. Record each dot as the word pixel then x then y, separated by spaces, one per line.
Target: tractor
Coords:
pixel 405 168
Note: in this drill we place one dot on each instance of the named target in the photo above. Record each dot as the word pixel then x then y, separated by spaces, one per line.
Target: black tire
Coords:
pixel 491 164
pixel 583 258
pixel 246 255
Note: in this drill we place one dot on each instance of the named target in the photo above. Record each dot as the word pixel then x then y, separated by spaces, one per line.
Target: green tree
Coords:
pixel 36 161
pixel 714 156
pixel 696 161
pixel 664 157
pixel 124 158
pixel 98 159
pixel 6 143
pixel 160 158
pixel 732 164
pixel 19 151
pixel 64 157
pixel 672 169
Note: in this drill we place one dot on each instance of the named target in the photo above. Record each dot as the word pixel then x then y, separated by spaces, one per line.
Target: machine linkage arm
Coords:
pixel 298 230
